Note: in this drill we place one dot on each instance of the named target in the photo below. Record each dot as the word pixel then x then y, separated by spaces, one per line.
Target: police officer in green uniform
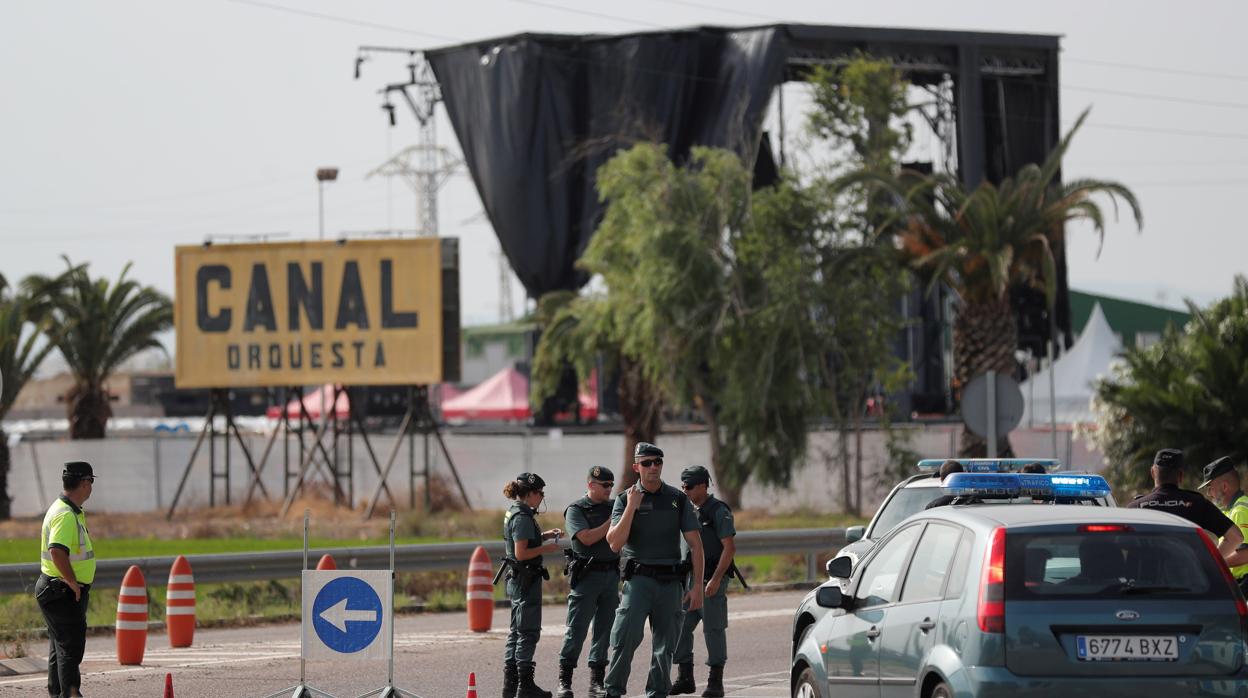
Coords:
pixel 67 569
pixel 594 580
pixel 719 547
pixel 523 564
pixel 647 524
pixel 1222 485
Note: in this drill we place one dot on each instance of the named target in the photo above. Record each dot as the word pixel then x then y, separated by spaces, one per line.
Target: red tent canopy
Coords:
pixel 505 396
pixel 312 402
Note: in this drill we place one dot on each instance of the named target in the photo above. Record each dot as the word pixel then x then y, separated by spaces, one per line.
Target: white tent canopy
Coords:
pixel 1074 374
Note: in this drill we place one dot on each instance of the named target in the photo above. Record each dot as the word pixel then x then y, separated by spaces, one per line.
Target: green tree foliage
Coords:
pixel 860 110
pixel 1188 391
pixel 97 325
pixel 981 241
pixel 22 350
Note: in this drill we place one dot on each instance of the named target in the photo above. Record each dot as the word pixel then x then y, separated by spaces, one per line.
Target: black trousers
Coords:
pixel 67 632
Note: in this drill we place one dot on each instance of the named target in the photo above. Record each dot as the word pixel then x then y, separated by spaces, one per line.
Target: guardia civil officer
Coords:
pixel 523 563
pixel 1167 496
pixel 647 524
pixel 594 580
pixel 718 548
pixel 66 571
pixel 1223 486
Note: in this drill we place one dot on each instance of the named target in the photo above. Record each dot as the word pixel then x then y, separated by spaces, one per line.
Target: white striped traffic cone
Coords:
pixel 180 604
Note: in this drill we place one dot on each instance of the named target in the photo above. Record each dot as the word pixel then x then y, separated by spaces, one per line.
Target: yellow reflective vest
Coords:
pixel 1238 513
pixel 65 525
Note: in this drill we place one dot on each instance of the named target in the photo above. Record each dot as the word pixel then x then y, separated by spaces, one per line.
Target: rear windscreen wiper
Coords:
pixel 1130 588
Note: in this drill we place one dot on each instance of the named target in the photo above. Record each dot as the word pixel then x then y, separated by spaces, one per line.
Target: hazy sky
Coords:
pixel 130 126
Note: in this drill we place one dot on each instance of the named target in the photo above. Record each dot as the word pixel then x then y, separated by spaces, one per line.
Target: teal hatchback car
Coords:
pixel 1003 600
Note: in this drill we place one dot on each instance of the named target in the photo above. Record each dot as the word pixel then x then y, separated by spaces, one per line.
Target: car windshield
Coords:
pixel 1109 565
pixel 906 501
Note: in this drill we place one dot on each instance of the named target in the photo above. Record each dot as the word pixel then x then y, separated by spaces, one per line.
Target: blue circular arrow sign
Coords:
pixel 346 615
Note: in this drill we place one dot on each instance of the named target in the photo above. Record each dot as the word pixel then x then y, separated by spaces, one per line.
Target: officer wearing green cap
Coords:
pixel 594 582
pixel 719 548
pixel 522 540
pixel 1222 485
pixel 67 569
pixel 647 524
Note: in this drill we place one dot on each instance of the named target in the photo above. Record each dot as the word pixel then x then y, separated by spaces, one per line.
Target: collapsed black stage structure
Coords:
pixel 537 114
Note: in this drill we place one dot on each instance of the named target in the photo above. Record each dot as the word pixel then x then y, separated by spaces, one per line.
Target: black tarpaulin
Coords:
pixel 536 115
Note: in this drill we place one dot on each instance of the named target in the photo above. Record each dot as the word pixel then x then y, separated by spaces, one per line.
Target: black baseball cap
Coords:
pixel 695 475
pixel 645 448
pixel 1215 470
pixel 1171 458
pixel 79 469
pixel 601 474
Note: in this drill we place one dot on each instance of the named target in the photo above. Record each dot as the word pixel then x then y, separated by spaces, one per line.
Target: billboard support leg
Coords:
pixel 190 462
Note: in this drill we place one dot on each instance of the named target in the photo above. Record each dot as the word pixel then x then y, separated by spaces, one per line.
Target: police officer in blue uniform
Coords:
pixel 1167 472
pixel 522 540
pixel 647 524
pixel 593 580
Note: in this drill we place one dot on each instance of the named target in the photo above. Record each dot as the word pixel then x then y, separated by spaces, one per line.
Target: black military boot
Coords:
pixel 510 680
pixel 527 688
pixel 684 680
pixel 597 676
pixel 715 683
pixel 565 681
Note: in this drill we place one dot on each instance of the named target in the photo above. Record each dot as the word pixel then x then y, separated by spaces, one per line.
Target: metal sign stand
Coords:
pixel 303 690
pixel 390 691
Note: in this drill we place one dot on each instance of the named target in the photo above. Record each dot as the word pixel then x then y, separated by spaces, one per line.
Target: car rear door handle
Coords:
pixel 873 633
pixel 927 624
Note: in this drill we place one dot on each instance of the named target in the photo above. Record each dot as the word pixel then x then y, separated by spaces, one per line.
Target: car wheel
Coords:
pixel 807 685
pixel 941 690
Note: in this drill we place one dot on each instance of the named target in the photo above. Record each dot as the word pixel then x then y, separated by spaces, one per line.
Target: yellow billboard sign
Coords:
pixel 356 312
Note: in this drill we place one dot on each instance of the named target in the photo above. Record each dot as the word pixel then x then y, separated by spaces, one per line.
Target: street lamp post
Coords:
pixel 323 175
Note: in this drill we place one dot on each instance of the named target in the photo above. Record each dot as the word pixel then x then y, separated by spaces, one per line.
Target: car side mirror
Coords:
pixel 830 596
pixel 840 567
pixel 853 534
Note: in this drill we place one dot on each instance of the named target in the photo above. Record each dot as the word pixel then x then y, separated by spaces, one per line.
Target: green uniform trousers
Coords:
pixel 714 618
pixel 526 621
pixel 659 602
pixel 595 598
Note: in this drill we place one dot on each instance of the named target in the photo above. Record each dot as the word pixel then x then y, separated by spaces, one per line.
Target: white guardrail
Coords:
pixel 287 564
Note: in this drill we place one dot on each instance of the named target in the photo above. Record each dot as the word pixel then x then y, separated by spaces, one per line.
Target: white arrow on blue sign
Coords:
pixel 346 614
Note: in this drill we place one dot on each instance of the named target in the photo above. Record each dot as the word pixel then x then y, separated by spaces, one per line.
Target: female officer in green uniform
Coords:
pixel 524 550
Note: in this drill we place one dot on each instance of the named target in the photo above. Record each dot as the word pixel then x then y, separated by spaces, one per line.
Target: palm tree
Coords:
pixel 981 242
pixel 97 326
pixel 21 352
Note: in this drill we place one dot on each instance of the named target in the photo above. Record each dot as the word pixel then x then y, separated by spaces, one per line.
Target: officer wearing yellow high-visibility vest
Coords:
pixel 67 567
pixel 1222 486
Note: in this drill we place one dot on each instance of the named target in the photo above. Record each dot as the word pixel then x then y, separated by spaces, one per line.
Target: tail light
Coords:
pixel 991 610
pixel 1240 605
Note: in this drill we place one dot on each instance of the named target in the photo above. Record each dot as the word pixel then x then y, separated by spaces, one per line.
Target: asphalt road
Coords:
pixel 434 654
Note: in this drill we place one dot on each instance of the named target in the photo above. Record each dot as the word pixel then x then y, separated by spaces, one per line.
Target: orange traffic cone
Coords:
pixel 472 685
pixel 169 685
pixel 326 563
pixel 180 604
pixel 480 591
pixel 132 618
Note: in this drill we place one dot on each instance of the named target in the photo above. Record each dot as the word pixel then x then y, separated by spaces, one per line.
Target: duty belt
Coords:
pixel 603 565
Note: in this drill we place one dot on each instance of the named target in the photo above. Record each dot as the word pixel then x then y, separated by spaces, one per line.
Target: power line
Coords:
pixel 345 20
pixel 1155 97
pixel 1156 69
pixel 726 10
pixel 591 13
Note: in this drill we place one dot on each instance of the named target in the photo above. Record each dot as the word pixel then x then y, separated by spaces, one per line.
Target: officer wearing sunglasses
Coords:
pixel 647 525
